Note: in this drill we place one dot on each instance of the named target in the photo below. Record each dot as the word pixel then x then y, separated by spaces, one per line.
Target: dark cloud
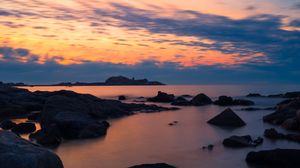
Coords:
pixel 251 7
pixel 5 13
pixel 17 55
pixel 296 6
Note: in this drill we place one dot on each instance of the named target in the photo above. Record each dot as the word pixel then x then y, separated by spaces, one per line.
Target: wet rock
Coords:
pixel 254 95
pixel 275 135
pixel 155 165
pixel 200 100
pixel 24 128
pixel 19 153
pixel 121 97
pixel 286 111
pixel 162 97
pixel 49 138
pixel 242 141
pixel 283 158
pixel 227 118
pixel 181 101
pixel 7 124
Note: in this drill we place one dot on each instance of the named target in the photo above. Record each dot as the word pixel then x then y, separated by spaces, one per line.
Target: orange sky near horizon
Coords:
pixel 70 32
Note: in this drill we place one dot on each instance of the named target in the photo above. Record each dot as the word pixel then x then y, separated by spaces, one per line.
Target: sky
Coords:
pixel 173 41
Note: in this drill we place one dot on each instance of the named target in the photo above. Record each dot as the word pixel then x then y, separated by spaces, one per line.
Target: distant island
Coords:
pixel 112 81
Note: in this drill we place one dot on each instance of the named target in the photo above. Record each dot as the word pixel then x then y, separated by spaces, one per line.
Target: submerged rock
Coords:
pixel 281 158
pixel 16 152
pixel 227 118
pixel 242 141
pixel 162 97
pixel 24 128
pixel 155 165
pixel 200 100
pixel 275 135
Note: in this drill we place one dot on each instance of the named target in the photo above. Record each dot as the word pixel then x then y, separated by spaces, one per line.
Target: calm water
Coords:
pixel 147 138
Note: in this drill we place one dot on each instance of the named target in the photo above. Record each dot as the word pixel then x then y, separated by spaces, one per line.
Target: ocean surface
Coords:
pixel 147 138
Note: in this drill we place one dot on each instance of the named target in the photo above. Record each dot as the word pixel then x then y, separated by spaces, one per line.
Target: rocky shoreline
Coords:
pixel 67 115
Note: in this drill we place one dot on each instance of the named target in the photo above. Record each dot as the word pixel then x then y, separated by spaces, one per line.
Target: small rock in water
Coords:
pixel 210 147
pixel 171 124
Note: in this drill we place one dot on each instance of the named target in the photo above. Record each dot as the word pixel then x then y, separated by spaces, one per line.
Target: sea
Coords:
pixel 148 138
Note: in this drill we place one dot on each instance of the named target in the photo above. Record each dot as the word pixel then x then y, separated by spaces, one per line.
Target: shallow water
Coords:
pixel 147 138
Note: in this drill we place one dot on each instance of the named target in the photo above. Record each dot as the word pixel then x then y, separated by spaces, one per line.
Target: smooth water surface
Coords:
pixel 147 138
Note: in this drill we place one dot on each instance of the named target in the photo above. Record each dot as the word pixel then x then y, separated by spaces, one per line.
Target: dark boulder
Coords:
pixel 227 118
pixel 291 95
pixel 275 135
pixel 24 128
pixel 7 124
pixel 242 141
pixel 286 112
pixel 122 97
pixel 201 99
pixel 162 97
pixel 16 152
pixel 155 165
pixel 181 101
pixel 280 158
pixel 51 137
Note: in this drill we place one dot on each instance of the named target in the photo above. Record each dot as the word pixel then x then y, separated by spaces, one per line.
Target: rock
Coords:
pixel 224 101
pixel 7 124
pixel 34 117
pixel 24 128
pixel 162 97
pixel 122 97
pixel 48 138
pixel 181 101
pixel 254 95
pixel 285 110
pixel 155 165
pixel 229 101
pixel 291 95
pixel 227 118
pixel 17 102
pixel 257 109
pixel 210 147
pixel 242 141
pixel 291 124
pixel 273 134
pixel 19 153
pixel 283 158
pixel 200 100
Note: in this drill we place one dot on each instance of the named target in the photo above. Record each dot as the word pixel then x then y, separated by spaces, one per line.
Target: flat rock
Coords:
pixel 162 97
pixel 16 152
pixel 242 141
pixel 227 118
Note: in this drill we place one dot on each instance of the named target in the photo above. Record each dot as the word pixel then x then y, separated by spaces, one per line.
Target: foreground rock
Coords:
pixel 162 97
pixel 24 128
pixel 200 100
pixel 229 101
pixel 156 165
pixel 19 153
pixel 242 141
pixel 227 118
pixel 281 158
pixel 7 124
pixel 69 115
pixel 17 102
pixel 287 115
pixel 275 135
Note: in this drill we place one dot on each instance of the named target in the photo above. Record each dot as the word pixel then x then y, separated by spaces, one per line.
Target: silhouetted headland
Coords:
pixel 111 81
